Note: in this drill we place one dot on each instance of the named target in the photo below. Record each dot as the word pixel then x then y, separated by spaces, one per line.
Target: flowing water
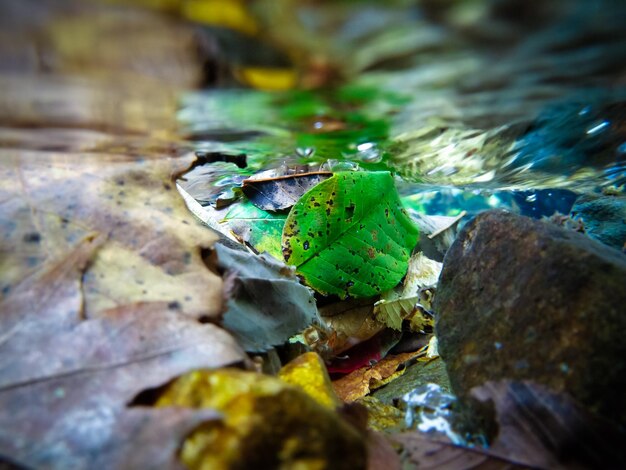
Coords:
pixel 479 109
pixel 472 104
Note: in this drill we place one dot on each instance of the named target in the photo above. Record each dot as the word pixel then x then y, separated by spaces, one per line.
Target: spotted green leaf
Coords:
pixel 349 235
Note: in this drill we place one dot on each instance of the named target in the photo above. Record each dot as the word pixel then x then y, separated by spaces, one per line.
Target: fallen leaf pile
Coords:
pixel 149 322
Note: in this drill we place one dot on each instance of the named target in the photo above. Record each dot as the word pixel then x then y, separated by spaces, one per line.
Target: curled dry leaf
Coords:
pixel 423 273
pixel 359 383
pixel 281 192
pixel 394 311
pixel 352 322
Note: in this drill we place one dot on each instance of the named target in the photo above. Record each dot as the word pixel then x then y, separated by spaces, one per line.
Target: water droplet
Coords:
pixel 336 165
pixel 305 152
pixel 229 181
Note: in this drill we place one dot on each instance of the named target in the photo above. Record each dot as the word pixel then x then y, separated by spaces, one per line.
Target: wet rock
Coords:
pixel 524 299
pixel 604 218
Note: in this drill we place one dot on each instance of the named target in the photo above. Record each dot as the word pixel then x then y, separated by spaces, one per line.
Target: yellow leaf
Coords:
pixel 380 416
pixel 267 78
pixel 226 13
pixel 266 424
pixel 309 373
pixel 160 5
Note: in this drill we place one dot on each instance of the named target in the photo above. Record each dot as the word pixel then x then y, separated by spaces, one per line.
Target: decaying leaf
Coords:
pixel 266 424
pixel 359 383
pixel 423 273
pixel 394 311
pixel 266 304
pixel 349 235
pixel 281 192
pixel 426 453
pixel 102 270
pixel 151 239
pixel 407 301
pixel 543 429
pixel 352 322
pixel 65 382
pixel 308 372
pixel 260 229
pixel 381 454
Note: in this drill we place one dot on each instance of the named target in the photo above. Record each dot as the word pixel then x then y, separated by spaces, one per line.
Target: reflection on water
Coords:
pixel 476 112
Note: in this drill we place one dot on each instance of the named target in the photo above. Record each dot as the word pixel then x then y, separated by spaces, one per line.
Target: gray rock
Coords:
pixel 523 299
pixel 604 218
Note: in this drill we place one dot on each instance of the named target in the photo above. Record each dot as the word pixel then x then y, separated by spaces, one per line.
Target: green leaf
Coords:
pixel 349 235
pixel 260 229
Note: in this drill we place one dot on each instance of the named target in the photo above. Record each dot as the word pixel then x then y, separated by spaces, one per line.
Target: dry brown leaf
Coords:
pixel 359 383
pixel 426 453
pixel 153 247
pixel 352 320
pixel 98 161
pixel 380 454
pixel 65 382
pixel 544 429
pixel 103 279
pixel 537 428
